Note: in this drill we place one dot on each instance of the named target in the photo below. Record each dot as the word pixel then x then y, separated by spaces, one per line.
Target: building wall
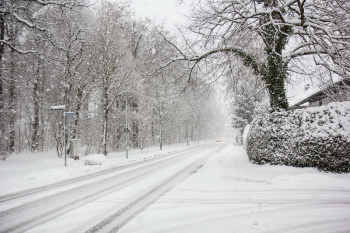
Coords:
pixel 327 100
pixel 321 102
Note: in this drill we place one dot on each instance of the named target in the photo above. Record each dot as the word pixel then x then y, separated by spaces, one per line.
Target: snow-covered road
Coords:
pixel 209 188
pixel 100 203
pixel 231 195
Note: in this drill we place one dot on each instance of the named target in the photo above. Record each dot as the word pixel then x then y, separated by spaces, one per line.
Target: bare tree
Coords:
pixel 273 38
pixel 113 64
pixel 25 15
pixel 68 37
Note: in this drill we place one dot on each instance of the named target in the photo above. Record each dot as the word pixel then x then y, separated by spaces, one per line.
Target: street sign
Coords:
pixel 126 130
pixel 57 107
pixel 69 114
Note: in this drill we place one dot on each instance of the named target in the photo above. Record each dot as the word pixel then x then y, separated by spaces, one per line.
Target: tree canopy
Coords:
pixel 274 38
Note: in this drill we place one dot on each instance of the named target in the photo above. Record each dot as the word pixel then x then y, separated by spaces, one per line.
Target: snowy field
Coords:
pixel 227 194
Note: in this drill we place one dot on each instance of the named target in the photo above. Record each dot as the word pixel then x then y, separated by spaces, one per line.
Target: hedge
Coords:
pixel 314 137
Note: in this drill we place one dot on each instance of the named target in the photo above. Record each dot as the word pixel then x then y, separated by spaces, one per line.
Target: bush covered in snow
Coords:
pixel 314 137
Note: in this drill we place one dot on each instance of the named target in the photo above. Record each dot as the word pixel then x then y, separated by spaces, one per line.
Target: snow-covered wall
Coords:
pixel 245 135
pixel 313 137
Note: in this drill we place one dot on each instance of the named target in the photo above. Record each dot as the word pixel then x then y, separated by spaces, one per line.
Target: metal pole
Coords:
pixel 64 139
pixel 126 119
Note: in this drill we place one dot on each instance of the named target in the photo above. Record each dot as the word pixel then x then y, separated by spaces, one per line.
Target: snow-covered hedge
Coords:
pixel 314 137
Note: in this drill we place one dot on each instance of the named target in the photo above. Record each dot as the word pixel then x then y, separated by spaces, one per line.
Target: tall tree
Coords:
pixel 113 63
pixel 68 38
pixel 272 37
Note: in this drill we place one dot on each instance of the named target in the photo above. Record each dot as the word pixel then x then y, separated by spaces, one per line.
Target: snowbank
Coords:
pixel 97 159
pixel 315 137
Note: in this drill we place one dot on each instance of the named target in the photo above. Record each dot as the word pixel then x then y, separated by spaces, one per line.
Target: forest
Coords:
pixel 99 62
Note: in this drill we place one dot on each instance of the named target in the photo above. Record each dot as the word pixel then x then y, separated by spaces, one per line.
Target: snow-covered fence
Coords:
pixel 314 137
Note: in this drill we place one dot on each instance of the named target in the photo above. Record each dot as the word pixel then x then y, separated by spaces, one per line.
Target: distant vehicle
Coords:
pixel 218 140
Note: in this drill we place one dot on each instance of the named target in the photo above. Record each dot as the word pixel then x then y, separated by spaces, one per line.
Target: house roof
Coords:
pixel 312 98
pixel 320 94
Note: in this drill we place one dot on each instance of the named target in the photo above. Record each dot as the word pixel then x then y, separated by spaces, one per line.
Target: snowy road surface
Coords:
pixel 103 202
pixel 209 188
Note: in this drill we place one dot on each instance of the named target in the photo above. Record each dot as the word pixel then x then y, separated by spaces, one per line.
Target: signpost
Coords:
pixel 58 107
pixel 65 114
pixel 126 129
pixel 69 114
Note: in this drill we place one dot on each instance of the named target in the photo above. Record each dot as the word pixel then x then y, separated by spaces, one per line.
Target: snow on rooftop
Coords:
pixel 299 90
pixel 297 93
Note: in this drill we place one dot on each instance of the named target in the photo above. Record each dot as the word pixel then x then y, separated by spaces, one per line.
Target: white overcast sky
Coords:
pixel 168 12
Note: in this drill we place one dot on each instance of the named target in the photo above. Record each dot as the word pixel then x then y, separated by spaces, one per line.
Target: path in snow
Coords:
pixel 228 194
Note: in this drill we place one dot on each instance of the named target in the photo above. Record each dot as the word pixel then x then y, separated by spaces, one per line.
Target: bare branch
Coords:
pixel 10 45
pixel 179 50
pixel 26 22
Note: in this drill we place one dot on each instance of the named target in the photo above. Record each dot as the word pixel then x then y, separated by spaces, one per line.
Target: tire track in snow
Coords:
pixel 32 214
pixel 28 192
pixel 121 217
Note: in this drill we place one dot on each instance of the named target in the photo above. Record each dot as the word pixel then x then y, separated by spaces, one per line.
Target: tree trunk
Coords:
pixel 152 128
pixel 12 101
pixel 105 133
pixel 35 125
pixel 105 121
pixel 177 135
pixel 160 135
pixel 186 134
pixel 77 112
pixel 275 40
pixel 3 151
pixel 135 134
pixel 275 81
pixel 160 127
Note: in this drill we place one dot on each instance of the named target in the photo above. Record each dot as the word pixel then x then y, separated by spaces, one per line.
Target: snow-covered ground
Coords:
pixel 27 170
pixel 228 194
